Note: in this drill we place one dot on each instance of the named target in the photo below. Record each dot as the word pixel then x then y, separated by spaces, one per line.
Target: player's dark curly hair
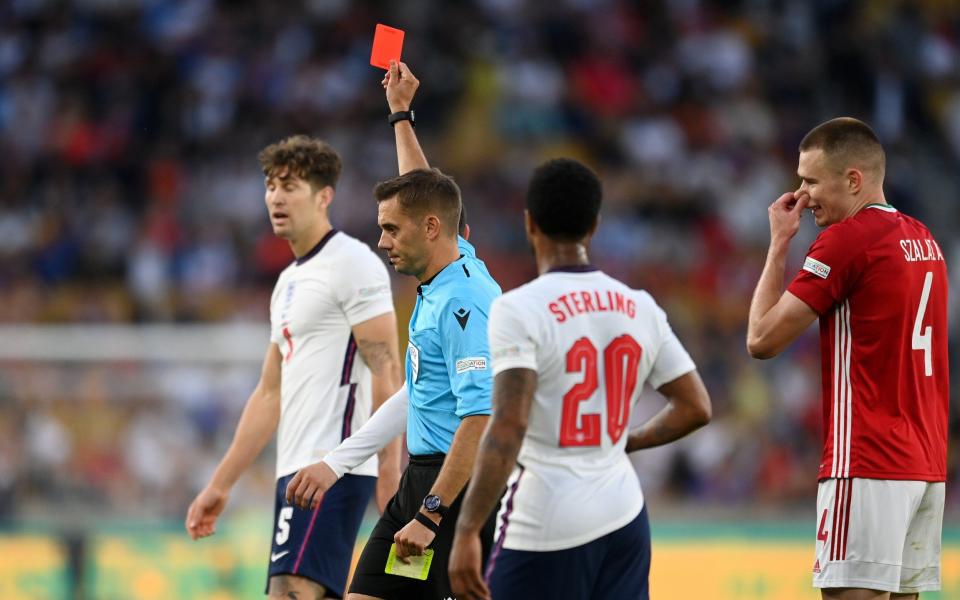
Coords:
pixel 564 199
pixel 308 158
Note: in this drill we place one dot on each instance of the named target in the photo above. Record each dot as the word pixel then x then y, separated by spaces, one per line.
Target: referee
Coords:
pixel 449 382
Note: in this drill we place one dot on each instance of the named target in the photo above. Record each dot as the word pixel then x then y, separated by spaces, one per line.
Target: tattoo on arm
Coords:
pixel 294 587
pixel 379 356
pixel 665 433
pixel 282 587
pixel 497 454
pixel 661 432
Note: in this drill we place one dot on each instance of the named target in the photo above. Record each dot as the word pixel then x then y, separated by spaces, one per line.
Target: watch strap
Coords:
pixel 426 522
pixel 402 115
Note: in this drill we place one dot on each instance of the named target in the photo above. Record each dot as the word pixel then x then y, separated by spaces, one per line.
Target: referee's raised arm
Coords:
pixel 401 85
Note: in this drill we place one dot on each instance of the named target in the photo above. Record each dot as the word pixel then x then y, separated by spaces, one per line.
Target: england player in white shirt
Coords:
pixel 331 360
pixel 571 351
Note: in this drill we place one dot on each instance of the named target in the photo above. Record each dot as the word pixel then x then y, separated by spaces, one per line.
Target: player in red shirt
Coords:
pixel 877 280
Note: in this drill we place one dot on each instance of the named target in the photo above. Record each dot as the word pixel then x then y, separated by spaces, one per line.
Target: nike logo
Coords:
pixel 278 555
pixel 462 316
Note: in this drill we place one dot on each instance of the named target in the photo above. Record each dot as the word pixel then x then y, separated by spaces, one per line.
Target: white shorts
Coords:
pixel 879 534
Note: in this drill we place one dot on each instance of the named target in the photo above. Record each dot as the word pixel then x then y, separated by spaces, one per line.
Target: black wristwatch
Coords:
pixel 432 504
pixel 402 115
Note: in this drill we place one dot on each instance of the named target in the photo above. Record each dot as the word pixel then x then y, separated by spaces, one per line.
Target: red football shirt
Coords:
pixel 878 280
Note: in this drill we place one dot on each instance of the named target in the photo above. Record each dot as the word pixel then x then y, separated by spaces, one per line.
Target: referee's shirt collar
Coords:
pixel 427 286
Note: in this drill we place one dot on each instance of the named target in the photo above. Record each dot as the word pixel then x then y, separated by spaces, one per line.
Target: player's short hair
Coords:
pixel 563 199
pixel 462 224
pixel 310 159
pixel 847 142
pixel 424 191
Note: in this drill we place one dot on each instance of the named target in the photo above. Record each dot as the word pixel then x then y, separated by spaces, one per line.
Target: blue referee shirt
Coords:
pixel 448 356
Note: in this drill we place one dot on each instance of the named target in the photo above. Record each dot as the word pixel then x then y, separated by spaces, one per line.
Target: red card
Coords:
pixel 387 44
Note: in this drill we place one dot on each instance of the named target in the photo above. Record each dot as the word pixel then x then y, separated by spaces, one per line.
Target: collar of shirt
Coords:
pixel 573 269
pixel 442 276
pixel 466 248
pixel 316 249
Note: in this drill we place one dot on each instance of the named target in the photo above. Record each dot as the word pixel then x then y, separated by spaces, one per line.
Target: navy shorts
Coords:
pixel 318 544
pixel 613 567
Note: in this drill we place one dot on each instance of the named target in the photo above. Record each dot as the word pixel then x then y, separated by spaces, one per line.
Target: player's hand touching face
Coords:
pixel 401 86
pixel 308 486
pixel 785 216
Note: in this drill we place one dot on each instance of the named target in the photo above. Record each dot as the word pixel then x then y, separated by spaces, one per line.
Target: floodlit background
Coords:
pixel 136 259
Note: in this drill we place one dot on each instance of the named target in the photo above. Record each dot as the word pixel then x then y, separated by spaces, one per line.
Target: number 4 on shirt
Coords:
pixel 621 359
pixel 924 341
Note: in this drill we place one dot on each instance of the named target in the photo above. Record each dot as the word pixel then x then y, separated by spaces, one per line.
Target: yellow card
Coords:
pixel 417 569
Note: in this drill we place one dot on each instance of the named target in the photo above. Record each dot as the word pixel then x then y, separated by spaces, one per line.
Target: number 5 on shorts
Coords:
pixel 283 525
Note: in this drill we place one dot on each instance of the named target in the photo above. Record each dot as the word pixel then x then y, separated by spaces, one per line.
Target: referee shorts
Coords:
pixel 369 577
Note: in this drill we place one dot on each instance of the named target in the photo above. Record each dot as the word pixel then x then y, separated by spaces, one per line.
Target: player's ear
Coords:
pixel 433 227
pixel 325 196
pixel 854 180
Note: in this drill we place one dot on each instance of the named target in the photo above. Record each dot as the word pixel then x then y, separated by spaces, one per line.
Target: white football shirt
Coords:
pixel 325 387
pixel 593 342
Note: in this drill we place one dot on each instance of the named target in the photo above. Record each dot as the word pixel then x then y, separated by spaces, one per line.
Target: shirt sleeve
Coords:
pixel 276 332
pixel 389 421
pixel 512 343
pixel 364 288
pixel 463 329
pixel 672 360
pixel 828 270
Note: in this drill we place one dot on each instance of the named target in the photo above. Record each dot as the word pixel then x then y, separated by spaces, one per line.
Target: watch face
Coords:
pixel 431 503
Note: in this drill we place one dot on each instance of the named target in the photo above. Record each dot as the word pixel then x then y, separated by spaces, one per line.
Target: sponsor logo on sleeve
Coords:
pixel 506 352
pixel 376 290
pixel 476 363
pixel 812 265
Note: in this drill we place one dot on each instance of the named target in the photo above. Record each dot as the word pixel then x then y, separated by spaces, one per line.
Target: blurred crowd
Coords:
pixel 130 193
